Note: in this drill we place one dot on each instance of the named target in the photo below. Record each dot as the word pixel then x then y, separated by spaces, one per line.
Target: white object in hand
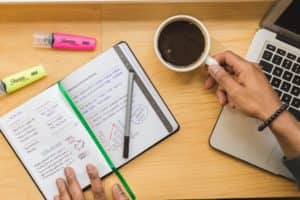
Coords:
pixel 211 61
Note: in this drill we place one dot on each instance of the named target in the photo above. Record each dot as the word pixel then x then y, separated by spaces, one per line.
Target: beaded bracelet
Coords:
pixel 267 123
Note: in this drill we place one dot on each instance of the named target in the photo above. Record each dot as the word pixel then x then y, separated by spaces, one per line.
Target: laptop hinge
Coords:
pixel 288 40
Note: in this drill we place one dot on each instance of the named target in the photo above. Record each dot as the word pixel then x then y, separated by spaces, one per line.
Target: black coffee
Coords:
pixel 181 43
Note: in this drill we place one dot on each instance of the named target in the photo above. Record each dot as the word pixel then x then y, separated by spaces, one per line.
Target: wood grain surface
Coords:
pixel 182 167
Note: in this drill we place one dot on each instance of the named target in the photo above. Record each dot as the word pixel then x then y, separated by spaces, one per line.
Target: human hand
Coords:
pixel 242 85
pixel 70 189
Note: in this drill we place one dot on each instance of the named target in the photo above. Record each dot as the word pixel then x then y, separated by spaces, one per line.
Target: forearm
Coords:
pixel 287 131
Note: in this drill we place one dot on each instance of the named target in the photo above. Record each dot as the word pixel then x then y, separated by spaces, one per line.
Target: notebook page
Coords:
pixel 99 89
pixel 48 137
pixel 149 86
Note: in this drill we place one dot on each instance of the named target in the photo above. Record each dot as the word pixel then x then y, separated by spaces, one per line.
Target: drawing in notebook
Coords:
pixel 139 114
pixel 114 140
pixel 47 134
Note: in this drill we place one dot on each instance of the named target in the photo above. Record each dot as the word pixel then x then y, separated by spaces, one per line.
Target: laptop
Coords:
pixel 276 47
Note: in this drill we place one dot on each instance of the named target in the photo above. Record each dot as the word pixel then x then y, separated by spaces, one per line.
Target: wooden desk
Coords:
pixel 183 166
pixel 120 1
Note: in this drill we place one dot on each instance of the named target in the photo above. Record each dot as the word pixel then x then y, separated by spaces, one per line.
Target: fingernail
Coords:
pixel 118 188
pixel 92 171
pixel 60 182
pixel 89 168
pixel 56 197
pixel 68 172
pixel 214 68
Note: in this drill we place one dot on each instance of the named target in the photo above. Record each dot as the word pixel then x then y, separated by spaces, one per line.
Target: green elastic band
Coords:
pixel 93 136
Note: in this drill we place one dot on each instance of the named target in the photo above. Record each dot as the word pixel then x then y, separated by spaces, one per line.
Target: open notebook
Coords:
pixel 47 135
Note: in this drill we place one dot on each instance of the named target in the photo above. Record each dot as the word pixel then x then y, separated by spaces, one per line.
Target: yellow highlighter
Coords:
pixel 21 79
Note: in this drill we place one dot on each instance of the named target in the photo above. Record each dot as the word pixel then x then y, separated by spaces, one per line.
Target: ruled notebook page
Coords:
pixel 47 136
pixel 99 89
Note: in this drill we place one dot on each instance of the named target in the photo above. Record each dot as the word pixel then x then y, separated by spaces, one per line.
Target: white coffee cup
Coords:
pixel 204 57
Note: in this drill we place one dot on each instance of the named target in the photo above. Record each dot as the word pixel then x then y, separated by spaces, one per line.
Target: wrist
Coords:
pixel 268 111
pixel 286 130
pixel 273 117
pixel 284 117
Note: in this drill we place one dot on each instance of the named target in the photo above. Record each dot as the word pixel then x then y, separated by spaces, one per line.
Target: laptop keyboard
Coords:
pixel 282 68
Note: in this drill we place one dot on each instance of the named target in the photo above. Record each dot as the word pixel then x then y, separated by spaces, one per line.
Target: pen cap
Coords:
pixel 23 78
pixel 73 42
pixel 42 40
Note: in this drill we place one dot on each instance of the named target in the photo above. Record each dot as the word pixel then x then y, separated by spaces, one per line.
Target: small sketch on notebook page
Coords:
pixel 113 141
pixel 139 114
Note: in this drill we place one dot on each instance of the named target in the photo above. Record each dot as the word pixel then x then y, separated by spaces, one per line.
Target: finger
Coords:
pixel 231 104
pixel 230 70
pixel 232 60
pixel 97 187
pixel 223 78
pixel 209 83
pixel 56 197
pixel 118 193
pixel 205 67
pixel 257 66
pixel 62 189
pixel 74 186
pixel 221 96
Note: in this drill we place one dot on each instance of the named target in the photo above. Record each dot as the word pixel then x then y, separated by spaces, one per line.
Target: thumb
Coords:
pixel 222 77
pixel 118 193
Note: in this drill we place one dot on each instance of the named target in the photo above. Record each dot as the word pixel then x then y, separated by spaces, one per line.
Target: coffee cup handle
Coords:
pixel 211 61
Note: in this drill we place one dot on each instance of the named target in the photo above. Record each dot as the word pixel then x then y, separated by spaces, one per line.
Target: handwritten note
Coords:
pixel 48 137
pixel 100 92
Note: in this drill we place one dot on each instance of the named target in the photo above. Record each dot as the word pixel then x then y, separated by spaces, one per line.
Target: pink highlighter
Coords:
pixel 64 41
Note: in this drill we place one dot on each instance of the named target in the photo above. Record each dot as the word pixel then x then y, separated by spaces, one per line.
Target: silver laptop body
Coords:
pixel 276 47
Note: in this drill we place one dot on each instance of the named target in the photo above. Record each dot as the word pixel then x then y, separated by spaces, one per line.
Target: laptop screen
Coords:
pixel 289 19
